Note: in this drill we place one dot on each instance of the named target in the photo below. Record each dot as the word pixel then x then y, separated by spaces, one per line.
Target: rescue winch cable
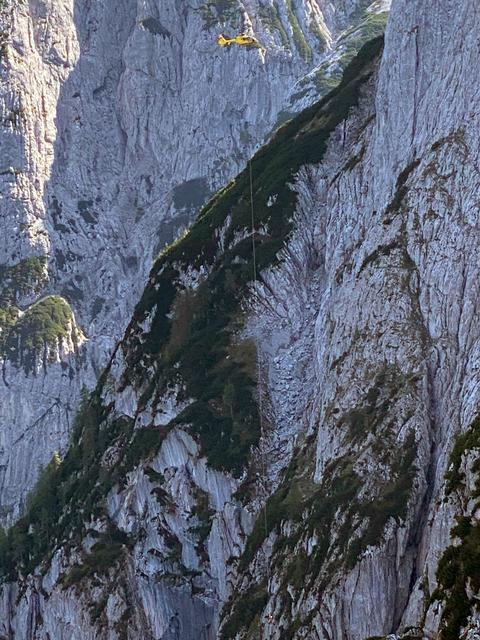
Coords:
pixel 260 398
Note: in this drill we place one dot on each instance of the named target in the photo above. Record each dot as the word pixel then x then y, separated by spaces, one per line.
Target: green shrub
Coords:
pixel 466 442
pixel 26 277
pixel 245 611
pixel 67 494
pixel 43 323
pixel 103 556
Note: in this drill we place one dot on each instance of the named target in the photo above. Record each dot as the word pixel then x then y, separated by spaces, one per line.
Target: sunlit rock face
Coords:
pixel 119 120
pixel 396 361
pixel 359 345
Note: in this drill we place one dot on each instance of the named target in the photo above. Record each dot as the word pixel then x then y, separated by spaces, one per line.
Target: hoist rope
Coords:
pixel 260 398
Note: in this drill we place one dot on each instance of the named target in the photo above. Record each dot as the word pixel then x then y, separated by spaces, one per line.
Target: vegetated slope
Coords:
pixel 366 327
pixel 184 373
pixel 95 99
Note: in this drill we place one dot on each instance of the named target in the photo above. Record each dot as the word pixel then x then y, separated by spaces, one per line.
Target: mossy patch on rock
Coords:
pixel 244 612
pixel 43 325
pixel 25 278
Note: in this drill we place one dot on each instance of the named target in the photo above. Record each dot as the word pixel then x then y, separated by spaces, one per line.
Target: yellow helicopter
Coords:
pixel 242 39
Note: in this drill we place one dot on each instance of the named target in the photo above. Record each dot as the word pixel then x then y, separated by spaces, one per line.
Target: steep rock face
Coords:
pixel 396 360
pixel 118 121
pixel 359 348
pixel 148 513
pixel 44 337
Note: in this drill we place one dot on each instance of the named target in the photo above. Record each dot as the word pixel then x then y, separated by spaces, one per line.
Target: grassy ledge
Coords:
pixel 43 324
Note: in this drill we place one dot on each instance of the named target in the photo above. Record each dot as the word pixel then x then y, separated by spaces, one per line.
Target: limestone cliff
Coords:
pixel 293 456
pixel 119 120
